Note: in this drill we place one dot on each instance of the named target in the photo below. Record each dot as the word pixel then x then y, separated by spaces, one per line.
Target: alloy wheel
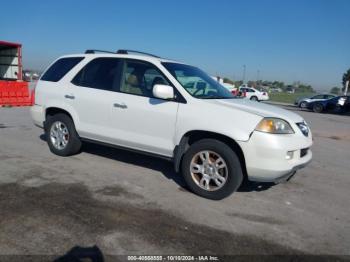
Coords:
pixel 59 135
pixel 209 170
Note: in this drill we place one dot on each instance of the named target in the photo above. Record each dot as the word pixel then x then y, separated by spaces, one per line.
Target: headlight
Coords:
pixel 303 128
pixel 274 126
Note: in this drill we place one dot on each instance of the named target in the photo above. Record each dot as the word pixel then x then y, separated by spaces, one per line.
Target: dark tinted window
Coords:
pixel 140 77
pixel 100 73
pixel 60 68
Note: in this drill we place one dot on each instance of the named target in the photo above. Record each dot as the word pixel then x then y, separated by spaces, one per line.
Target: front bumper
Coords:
pixel 287 176
pixel 38 115
pixel 265 156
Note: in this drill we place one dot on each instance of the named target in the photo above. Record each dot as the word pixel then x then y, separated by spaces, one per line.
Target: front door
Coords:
pixel 139 120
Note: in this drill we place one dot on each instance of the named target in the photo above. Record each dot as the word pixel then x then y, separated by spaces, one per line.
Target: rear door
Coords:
pixel 91 93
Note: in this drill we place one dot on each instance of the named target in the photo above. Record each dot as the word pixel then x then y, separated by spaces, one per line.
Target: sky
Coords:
pixel 285 40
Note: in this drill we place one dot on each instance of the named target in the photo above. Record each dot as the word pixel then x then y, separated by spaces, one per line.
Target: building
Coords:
pixel 10 61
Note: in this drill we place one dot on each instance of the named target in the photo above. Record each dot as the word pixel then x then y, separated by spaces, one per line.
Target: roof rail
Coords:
pixel 93 51
pixel 125 52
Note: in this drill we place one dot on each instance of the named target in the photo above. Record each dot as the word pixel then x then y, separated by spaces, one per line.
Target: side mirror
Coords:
pixel 163 91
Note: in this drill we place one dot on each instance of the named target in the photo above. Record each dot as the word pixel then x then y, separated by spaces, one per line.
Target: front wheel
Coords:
pixel 212 169
pixel 303 104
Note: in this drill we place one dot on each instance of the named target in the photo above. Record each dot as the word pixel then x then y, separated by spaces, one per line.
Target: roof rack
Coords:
pixel 120 51
pixel 126 52
pixel 93 51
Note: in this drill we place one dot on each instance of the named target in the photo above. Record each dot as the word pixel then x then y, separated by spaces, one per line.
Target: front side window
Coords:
pixel 100 73
pixel 196 82
pixel 60 68
pixel 140 77
pixel 318 97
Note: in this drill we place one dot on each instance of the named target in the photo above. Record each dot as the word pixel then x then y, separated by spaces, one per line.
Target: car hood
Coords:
pixel 260 109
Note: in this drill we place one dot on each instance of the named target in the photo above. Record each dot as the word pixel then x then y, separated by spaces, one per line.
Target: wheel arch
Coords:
pixel 301 102
pixel 50 111
pixel 195 135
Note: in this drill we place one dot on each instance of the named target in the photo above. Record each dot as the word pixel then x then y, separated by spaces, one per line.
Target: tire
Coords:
pixel 317 108
pixel 303 104
pixel 72 142
pixel 233 173
pixel 338 109
pixel 254 98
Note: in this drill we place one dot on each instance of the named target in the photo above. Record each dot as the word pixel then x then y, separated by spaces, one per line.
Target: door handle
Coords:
pixel 69 96
pixel 121 106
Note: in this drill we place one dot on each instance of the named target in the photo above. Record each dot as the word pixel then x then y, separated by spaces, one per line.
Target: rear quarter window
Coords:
pixel 60 68
pixel 100 73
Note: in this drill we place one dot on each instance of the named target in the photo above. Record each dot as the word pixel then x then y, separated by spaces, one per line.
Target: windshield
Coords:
pixel 197 83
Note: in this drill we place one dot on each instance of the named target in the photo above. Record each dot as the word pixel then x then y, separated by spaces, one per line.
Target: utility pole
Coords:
pixel 346 87
pixel 244 68
pixel 258 75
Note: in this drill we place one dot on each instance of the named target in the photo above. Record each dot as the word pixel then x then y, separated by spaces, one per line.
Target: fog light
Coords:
pixel 289 155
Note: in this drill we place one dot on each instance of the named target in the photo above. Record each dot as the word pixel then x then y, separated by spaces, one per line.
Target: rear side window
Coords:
pixel 100 73
pixel 60 68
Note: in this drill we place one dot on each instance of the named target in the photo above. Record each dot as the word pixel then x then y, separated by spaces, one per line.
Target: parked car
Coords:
pixel 290 90
pixel 339 104
pixel 303 101
pixel 142 103
pixel 253 94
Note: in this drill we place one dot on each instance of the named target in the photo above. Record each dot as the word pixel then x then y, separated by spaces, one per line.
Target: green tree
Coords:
pixel 267 83
pixel 238 83
pixel 251 83
pixel 346 77
pixel 335 90
pixel 278 84
pixel 305 88
pixel 228 81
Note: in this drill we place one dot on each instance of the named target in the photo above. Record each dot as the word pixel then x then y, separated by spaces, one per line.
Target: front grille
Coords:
pixel 303 152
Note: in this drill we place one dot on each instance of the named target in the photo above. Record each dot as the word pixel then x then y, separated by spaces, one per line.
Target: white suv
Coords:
pixel 169 109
